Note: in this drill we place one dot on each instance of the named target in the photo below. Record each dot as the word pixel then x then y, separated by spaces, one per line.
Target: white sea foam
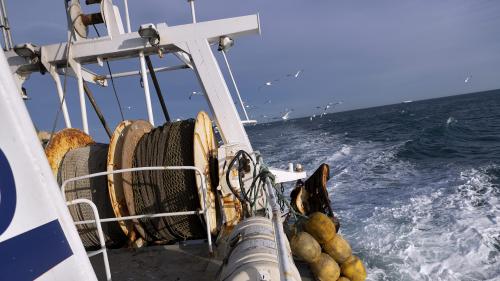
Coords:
pixel 451 120
pixel 439 236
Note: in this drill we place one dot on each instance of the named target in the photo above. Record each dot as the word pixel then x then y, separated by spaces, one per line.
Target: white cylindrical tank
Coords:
pixel 253 253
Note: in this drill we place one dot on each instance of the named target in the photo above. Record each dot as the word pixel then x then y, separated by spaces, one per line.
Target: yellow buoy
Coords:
pixel 353 269
pixel 321 227
pixel 305 247
pixel 343 278
pixel 325 268
pixel 338 248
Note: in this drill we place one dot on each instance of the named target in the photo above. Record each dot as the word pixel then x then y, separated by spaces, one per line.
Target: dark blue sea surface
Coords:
pixel 416 185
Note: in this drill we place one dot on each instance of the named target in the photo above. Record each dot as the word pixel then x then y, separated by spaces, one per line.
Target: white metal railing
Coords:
pixel 102 243
pixel 97 220
pixel 286 264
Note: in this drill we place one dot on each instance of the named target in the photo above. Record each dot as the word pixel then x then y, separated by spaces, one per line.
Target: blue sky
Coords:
pixel 364 53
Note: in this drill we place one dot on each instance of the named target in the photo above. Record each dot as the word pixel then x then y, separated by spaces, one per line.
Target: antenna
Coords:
pixel 193 10
pixel 4 25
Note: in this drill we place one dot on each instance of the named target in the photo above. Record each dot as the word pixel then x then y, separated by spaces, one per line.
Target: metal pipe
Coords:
pixel 137 72
pixel 146 88
pixel 126 218
pixel 193 11
pixel 127 16
pixel 81 94
pixel 157 88
pixel 97 110
pixel 155 168
pixel 60 92
pixel 4 32
pixel 9 44
pixel 285 263
pixel 99 231
pixel 234 84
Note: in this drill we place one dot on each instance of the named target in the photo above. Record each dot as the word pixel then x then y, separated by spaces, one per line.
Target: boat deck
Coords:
pixel 179 262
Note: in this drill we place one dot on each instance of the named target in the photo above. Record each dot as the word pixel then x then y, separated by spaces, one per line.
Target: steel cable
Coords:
pixel 167 191
pixel 84 161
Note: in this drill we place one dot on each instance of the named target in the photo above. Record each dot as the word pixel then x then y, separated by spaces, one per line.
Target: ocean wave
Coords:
pixel 448 140
pixel 444 235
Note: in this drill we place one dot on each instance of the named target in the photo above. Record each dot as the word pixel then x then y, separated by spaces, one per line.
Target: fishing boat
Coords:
pixel 172 201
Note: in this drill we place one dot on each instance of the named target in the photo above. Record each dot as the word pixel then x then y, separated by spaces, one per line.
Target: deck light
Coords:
pixel 27 50
pixel 225 42
pixel 149 31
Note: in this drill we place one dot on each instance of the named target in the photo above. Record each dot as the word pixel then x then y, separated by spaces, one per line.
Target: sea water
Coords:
pixel 416 185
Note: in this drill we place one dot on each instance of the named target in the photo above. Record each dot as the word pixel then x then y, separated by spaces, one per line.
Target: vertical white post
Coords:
pixel 127 16
pixel 193 11
pixel 145 82
pixel 217 93
pixel 234 84
pixel 81 93
pixel 60 92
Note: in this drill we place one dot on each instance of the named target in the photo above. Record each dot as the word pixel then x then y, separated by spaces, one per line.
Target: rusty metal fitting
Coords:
pixel 92 19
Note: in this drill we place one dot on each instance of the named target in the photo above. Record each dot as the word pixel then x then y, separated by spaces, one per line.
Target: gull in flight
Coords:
pixel 328 106
pixel 194 93
pixel 267 84
pixel 287 115
pixel 467 79
pixel 295 75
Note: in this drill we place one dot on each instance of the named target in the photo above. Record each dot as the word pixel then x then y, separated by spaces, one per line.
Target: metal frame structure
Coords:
pixel 190 42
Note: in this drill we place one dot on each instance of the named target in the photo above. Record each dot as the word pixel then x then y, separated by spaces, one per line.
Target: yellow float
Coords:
pixel 353 269
pixel 325 268
pixel 338 248
pixel 305 247
pixel 321 227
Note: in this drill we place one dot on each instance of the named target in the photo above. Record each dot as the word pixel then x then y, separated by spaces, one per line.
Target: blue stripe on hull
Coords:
pixel 29 255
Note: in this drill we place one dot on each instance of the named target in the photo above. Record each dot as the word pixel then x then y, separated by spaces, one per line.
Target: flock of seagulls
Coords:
pixel 284 115
pixel 293 75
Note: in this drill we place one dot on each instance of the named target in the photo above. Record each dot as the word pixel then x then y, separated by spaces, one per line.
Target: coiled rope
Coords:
pixel 167 191
pixel 84 161
pixel 249 197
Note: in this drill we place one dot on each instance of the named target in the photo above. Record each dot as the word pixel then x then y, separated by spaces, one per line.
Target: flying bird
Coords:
pixel 295 74
pixel 287 115
pixel 195 94
pixel 327 107
pixel 467 79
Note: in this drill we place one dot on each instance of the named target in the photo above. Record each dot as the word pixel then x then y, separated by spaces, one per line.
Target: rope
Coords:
pixel 68 46
pixel 84 161
pixel 167 191
pixel 250 197
pixel 111 78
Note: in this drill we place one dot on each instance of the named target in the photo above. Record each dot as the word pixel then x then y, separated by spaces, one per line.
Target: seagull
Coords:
pixel 287 115
pixel 295 75
pixel 328 106
pixel 267 84
pixel 195 94
pixel 467 79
